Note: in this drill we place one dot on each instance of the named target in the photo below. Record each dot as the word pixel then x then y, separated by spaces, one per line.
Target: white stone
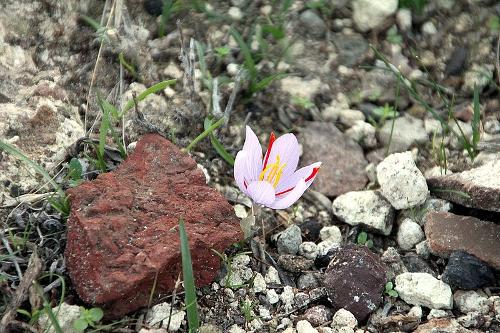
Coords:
pixel 272 275
pixel 160 313
pixel 66 315
pixel 432 126
pixel 422 249
pixel 299 87
pixel 287 297
pixel 235 13
pixel 363 133
pixel 480 75
pixel 259 283
pixel 325 246
pixel 266 10
pixel 239 273
pixel 435 313
pixel 470 301
pixel 232 69
pixel 173 71
pixel 407 131
pixel 369 14
pixel 349 118
pixel 368 208
pixel 416 311
pixel 272 297
pixel 344 318
pixel 428 28
pixel 401 182
pixel 264 313
pixel 308 250
pixel 409 234
pixel 345 329
pixel 303 326
pixel 403 18
pixel 424 289
pixel 437 171
pixel 331 232
pixel 236 329
pixel 240 211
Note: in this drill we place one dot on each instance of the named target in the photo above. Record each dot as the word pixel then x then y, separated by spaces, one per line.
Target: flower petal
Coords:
pixel 254 150
pixel 291 197
pixel 261 192
pixel 287 147
pixel 241 173
pixel 308 173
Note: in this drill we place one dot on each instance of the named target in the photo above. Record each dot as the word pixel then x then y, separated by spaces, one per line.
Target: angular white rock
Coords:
pixel 66 314
pixel 308 250
pixel 368 208
pixel 343 318
pixel 409 234
pixel 369 14
pixel 160 313
pixel 424 289
pixel 470 301
pixel 303 326
pixel 401 182
pixel 330 232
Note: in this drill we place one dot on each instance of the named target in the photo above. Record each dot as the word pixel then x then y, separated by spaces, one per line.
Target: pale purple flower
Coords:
pixel 273 181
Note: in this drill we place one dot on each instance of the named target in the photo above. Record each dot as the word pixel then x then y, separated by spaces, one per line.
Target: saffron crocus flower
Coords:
pixel 273 181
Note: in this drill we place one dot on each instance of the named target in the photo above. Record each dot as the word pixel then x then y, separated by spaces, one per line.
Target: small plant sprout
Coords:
pixel 363 240
pixel 389 290
pixel 273 181
pixel 88 317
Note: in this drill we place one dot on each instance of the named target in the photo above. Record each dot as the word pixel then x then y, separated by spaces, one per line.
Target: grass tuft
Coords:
pixel 189 286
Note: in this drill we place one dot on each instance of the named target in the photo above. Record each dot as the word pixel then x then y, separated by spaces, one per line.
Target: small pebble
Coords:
pixel 308 250
pixel 331 233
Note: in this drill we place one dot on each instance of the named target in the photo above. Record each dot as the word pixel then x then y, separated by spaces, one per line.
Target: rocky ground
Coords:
pixel 400 231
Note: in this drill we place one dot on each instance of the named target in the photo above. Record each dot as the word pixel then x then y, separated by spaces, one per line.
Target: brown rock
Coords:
pixel 448 232
pixel 442 325
pixel 481 185
pixel 343 167
pixel 355 280
pixel 122 230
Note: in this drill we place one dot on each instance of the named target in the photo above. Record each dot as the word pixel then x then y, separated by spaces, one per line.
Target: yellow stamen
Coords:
pixel 273 171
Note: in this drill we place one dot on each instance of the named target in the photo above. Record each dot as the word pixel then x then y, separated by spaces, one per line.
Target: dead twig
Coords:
pixel 22 292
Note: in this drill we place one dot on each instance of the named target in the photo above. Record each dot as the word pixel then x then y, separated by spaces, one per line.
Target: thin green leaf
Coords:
pixel 247 54
pixel 103 131
pixel 26 160
pixel 218 145
pixel 476 119
pixel 205 133
pixel 24 312
pixel 151 90
pixel 48 310
pixel 130 68
pixel 187 275
pixel 91 22
pixel 265 82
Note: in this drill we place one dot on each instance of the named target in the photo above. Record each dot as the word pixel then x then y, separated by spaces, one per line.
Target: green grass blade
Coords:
pixel 218 145
pixel 26 160
pixel 205 133
pixel 151 90
pixel 165 16
pixel 103 131
pixel 91 22
pixel 187 275
pixel 48 310
pixel 476 119
pixel 265 82
pixel 130 68
pixel 247 54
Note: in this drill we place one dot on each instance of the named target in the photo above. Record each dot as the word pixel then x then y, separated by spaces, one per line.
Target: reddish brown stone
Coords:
pixel 355 280
pixel 448 232
pixel 123 228
pixel 481 186
pixel 343 168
